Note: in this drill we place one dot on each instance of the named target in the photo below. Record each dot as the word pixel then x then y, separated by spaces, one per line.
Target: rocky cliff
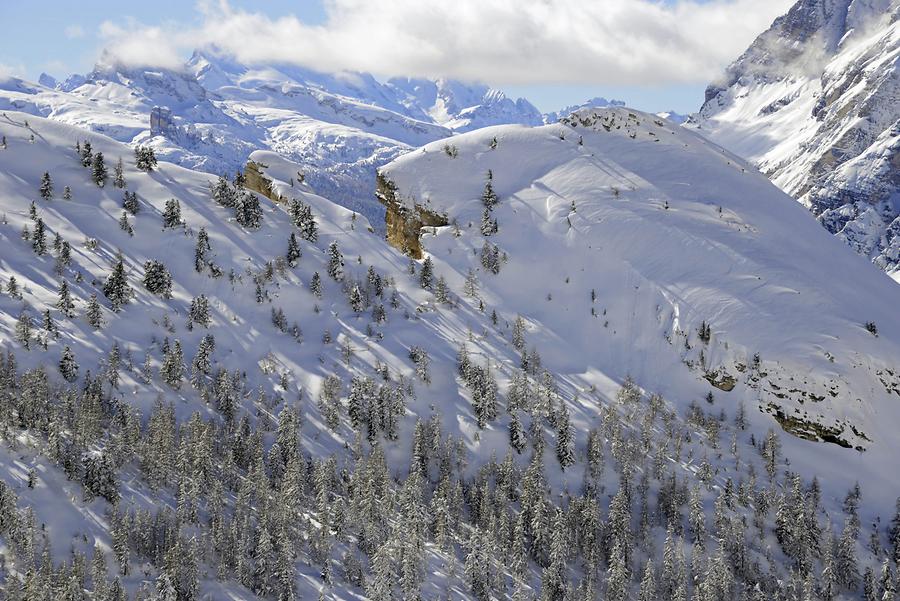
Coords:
pixel 404 224
pixel 815 103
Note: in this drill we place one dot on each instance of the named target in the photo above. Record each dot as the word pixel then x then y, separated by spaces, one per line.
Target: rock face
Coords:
pixel 161 122
pixel 255 180
pixel 404 224
pixel 815 103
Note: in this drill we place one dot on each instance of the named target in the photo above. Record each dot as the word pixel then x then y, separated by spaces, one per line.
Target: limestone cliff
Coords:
pixel 256 180
pixel 404 224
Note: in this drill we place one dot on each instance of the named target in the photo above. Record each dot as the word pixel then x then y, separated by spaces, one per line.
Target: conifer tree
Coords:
pixel 65 303
pixel 130 203
pixel 489 225
pixel 301 215
pixel 222 193
pixel 202 362
pixel 201 249
pixel 172 369
pixel 119 174
pixel 470 287
pixel 87 155
pixel 648 584
pixel 565 452
pixel 200 311
pixel 145 158
pixel 293 250
pixel 518 334
pixel 335 262
pixel 517 439
pixel 116 287
pixel 46 188
pixel 99 174
pixel 94 313
pixel 488 196
pixel 442 291
pixel 157 278
pixel 23 329
pixel 172 214
pixel 247 210
pixel 426 275
pixel 67 193
pixel 124 224
pixel 315 285
pixel 39 237
pixel 357 303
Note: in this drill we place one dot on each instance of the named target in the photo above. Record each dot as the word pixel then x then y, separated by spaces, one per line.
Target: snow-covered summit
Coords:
pixel 813 103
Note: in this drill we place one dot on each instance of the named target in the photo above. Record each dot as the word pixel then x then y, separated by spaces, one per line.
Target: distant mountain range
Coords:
pixel 210 115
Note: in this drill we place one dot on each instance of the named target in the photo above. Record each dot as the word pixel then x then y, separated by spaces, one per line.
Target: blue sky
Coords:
pixel 654 58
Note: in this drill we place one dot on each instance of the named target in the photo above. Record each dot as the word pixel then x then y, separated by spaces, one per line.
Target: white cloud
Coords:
pixel 74 31
pixel 7 70
pixel 613 42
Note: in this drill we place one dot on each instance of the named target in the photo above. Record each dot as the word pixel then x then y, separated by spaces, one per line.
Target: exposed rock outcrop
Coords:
pixel 161 121
pixel 404 224
pixel 255 180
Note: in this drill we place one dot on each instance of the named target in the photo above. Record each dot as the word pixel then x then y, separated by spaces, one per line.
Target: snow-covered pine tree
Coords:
pixel 335 262
pixel 23 329
pixel 517 437
pixel 518 334
pixel 116 287
pixel 119 174
pixel 247 210
pixel 426 275
pixel 39 237
pixel 46 188
pixel 200 250
pixel 94 313
pixel 565 443
pixel 67 193
pixel 315 285
pixel 172 369
pixel 172 214
pixel 222 192
pixel 65 303
pixel 293 251
pixel 442 291
pixel 125 225
pixel 87 155
pixel 130 202
pixel 157 278
pixel 489 225
pixel 470 287
pixel 99 174
pixel 145 158
pixel 200 311
pixel 202 362
pixel 488 196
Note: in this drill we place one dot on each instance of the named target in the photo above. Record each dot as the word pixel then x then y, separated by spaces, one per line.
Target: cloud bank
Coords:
pixel 612 42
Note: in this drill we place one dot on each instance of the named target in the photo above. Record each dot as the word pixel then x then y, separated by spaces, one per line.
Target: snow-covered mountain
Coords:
pixel 212 114
pixel 610 320
pixel 815 103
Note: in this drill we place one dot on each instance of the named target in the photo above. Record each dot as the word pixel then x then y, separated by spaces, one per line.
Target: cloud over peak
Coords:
pixel 612 42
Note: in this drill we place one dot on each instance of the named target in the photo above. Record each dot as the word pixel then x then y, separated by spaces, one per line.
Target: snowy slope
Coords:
pixel 671 231
pixel 814 104
pixel 668 230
